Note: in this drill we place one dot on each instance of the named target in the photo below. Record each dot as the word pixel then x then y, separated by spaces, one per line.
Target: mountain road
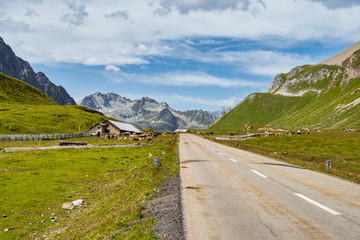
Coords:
pixel 229 193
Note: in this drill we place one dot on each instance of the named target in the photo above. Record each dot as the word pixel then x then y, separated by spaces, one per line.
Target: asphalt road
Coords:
pixel 233 194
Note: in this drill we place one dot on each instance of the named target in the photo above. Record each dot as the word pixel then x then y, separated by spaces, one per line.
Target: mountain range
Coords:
pixel 321 96
pixel 148 113
pixel 16 67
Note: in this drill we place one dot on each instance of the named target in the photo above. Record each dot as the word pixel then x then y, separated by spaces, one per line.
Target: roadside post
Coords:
pixel 157 162
pixel 328 165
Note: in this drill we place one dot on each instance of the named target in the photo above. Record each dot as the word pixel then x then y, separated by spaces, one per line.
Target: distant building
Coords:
pixel 181 130
pixel 113 127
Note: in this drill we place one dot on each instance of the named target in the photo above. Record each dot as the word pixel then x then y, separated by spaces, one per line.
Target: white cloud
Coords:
pixel 112 68
pixel 31 13
pixel 124 14
pixel 36 1
pixel 259 62
pixel 229 102
pixel 29 50
pixel 338 3
pixel 190 79
pixel 8 25
pixel 185 6
pixel 77 14
pixel 162 11
pixel 119 44
pixel 266 63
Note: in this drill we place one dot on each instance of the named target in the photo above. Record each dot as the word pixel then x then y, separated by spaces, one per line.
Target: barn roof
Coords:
pixel 125 126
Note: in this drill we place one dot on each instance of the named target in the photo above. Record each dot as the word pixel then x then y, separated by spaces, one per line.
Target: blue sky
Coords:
pixel 192 54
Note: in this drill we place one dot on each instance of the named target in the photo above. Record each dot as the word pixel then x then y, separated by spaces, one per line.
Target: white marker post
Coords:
pixel 328 165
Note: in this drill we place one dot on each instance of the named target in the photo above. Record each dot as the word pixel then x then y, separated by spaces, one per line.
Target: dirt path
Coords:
pixel 70 147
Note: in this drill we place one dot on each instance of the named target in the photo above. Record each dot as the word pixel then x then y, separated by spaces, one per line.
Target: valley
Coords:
pixel 308 118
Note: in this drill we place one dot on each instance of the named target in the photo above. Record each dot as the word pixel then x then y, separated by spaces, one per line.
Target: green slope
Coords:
pixel 25 109
pixel 260 109
pixel 328 99
pixel 15 91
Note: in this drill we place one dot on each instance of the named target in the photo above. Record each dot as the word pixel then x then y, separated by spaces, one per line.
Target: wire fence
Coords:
pixel 41 137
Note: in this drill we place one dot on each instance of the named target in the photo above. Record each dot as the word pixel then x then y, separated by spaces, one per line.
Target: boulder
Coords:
pixel 78 202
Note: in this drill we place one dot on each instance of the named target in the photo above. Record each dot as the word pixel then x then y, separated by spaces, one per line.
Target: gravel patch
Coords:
pixel 168 211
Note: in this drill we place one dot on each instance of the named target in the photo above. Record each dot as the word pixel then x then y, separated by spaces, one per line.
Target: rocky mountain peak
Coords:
pixel 303 79
pixel 14 66
pixel 147 112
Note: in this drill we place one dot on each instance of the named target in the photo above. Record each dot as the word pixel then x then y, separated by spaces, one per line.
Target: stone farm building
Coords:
pixel 113 127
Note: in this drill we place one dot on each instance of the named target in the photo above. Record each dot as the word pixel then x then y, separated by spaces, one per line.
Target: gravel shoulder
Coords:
pixel 167 210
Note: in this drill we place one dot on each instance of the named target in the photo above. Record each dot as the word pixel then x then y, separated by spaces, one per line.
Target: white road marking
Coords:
pixel 261 175
pixel 233 160
pixel 317 204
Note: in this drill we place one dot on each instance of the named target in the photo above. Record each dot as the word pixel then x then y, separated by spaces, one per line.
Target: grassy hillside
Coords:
pixel 335 109
pixel 318 96
pixel 17 118
pixel 15 91
pixel 260 109
pixel 25 109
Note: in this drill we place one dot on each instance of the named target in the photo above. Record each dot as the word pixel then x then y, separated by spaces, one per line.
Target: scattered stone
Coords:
pixel 71 205
pixel 78 202
pixel 6 230
pixel 150 154
pixel 68 206
pixel 4 215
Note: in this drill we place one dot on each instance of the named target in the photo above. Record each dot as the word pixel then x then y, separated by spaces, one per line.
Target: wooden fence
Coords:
pixel 41 137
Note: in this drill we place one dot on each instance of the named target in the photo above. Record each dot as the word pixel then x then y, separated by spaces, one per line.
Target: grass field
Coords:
pixel 112 181
pixel 311 151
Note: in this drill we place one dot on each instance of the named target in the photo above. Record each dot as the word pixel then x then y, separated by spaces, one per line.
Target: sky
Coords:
pixel 192 54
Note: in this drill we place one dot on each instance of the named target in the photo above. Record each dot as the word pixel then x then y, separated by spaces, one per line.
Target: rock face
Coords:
pixel 14 66
pixel 351 67
pixel 148 113
pixel 302 79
